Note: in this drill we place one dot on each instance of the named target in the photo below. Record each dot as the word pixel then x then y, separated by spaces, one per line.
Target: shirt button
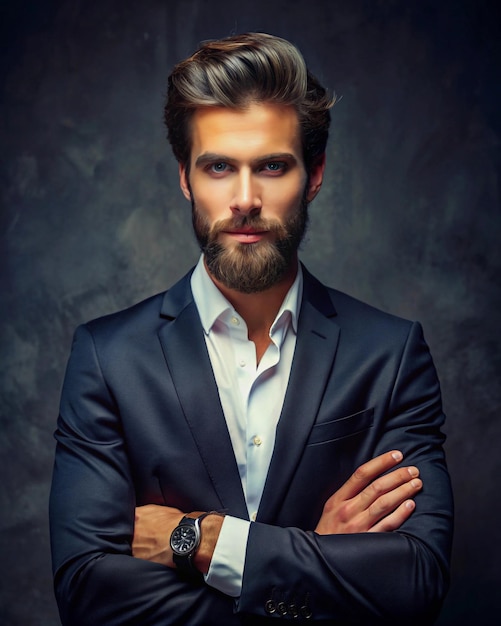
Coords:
pixel 235 321
pixel 242 363
pixel 257 441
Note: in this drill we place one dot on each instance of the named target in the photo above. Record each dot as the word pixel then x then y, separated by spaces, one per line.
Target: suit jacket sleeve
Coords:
pixel 92 503
pixel 396 578
pixel 399 577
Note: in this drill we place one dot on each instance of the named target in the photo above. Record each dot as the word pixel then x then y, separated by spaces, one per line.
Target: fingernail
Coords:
pixel 410 505
pixel 413 471
pixel 416 483
pixel 397 455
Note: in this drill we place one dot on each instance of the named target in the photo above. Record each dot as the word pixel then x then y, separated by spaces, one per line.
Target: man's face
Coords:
pixel 249 192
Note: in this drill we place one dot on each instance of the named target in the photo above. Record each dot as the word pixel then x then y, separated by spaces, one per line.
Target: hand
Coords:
pixel 370 502
pixel 152 530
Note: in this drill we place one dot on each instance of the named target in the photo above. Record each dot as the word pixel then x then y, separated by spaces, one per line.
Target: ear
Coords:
pixel 316 177
pixel 183 182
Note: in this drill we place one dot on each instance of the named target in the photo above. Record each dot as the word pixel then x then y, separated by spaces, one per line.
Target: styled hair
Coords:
pixel 236 71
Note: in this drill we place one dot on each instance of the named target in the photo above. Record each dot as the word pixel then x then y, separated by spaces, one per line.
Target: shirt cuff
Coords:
pixel 227 565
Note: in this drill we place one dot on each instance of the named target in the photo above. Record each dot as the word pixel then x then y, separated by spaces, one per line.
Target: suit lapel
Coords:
pixel 189 365
pixel 316 345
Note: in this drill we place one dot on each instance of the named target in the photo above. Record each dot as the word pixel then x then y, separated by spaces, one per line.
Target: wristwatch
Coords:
pixel 184 542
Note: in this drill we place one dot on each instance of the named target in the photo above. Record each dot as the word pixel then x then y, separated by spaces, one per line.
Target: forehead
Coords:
pixel 242 134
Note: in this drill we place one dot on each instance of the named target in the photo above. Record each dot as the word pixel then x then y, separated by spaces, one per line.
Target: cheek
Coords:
pixel 211 196
pixel 283 199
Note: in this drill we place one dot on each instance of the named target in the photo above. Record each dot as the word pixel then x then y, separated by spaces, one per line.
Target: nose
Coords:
pixel 246 194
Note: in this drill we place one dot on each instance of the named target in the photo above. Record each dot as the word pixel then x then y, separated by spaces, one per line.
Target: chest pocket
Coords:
pixel 340 428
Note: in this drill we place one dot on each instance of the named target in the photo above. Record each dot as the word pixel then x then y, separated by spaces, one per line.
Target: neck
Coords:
pixel 260 309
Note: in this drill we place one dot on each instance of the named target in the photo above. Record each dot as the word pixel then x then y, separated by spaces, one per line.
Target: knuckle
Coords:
pixel 345 512
pixel 360 473
pixel 377 489
pixel 382 505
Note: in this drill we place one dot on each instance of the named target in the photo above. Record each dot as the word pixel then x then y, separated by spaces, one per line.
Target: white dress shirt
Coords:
pixel 251 396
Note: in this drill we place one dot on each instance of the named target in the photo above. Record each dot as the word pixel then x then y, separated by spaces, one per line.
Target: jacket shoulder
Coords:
pixel 145 316
pixel 139 313
pixel 351 308
pixel 347 310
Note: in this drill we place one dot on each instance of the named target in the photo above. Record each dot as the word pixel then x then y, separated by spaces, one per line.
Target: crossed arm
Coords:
pixel 352 565
pixel 370 501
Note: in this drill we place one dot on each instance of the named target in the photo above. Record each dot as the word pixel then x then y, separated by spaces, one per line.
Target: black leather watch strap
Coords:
pixel 184 562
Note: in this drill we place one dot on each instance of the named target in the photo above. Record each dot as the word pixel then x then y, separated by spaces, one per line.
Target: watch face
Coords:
pixel 184 539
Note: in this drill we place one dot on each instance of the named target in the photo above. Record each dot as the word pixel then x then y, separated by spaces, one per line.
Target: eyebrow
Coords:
pixel 213 157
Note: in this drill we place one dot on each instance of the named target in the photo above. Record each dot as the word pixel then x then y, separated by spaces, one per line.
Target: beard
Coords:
pixel 251 267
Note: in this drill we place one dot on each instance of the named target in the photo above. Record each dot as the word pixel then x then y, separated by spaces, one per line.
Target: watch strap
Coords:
pixel 184 563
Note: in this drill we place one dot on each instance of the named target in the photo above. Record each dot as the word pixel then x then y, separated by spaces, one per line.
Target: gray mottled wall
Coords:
pixel 92 220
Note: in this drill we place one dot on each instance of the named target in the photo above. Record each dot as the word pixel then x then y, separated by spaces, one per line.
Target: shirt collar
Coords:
pixel 212 305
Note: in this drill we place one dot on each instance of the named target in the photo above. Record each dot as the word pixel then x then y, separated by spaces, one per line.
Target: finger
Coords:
pixel 368 472
pixel 394 520
pixel 386 484
pixel 389 502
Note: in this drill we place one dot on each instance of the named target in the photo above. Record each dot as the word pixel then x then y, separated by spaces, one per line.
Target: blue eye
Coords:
pixel 219 167
pixel 275 166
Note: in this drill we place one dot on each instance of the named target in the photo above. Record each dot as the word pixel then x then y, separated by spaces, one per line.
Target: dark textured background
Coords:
pixel 92 220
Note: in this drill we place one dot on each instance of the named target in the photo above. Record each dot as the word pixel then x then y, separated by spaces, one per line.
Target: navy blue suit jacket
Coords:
pixel 141 423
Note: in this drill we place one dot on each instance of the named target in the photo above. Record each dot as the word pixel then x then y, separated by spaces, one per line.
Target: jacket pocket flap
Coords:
pixel 343 427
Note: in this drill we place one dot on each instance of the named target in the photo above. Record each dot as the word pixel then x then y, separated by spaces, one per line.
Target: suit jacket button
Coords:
pixel 293 611
pixel 306 612
pixel 270 607
pixel 282 608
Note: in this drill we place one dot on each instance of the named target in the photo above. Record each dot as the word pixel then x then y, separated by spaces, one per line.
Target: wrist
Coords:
pixel 193 545
pixel 210 528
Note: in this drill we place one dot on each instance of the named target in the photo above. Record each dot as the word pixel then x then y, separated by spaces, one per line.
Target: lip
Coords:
pixel 246 235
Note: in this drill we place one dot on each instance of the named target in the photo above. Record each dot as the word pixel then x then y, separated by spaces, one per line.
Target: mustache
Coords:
pixel 256 222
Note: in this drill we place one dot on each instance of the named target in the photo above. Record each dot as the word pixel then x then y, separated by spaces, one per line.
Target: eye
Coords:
pixel 218 168
pixel 275 167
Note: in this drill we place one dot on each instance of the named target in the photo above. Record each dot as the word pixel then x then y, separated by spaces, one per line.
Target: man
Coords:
pixel 230 451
